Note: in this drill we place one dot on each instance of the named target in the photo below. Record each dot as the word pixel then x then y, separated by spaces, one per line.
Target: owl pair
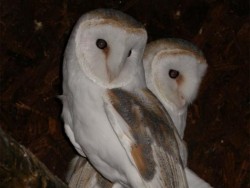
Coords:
pixel 116 105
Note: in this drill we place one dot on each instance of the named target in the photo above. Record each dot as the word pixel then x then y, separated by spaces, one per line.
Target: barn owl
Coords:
pixel 109 115
pixel 174 69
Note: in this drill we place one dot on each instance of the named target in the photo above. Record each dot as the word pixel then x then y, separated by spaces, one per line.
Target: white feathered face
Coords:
pixel 109 52
pixel 174 75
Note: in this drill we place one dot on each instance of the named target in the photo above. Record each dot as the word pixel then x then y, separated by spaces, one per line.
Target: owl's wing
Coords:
pixel 146 132
pixel 67 118
pixel 84 175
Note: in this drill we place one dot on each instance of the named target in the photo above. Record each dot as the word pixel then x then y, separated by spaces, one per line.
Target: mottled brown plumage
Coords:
pixel 156 145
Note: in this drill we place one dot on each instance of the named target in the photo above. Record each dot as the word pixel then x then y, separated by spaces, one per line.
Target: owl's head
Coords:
pixel 174 69
pixel 108 46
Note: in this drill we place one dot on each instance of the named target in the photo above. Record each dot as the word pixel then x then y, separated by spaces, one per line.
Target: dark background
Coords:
pixel 33 35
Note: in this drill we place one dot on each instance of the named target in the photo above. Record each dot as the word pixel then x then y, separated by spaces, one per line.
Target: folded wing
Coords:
pixel 146 132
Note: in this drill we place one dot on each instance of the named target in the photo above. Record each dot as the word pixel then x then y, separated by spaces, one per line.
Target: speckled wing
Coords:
pixel 83 175
pixel 146 132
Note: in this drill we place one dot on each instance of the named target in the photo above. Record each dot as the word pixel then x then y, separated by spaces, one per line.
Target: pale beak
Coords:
pixel 115 65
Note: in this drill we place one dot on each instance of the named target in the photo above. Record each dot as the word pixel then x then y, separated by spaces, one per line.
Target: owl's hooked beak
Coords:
pixel 114 67
pixel 183 101
pixel 113 73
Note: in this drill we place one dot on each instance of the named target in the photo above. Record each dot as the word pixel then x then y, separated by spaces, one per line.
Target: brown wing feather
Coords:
pixel 130 110
pixel 150 125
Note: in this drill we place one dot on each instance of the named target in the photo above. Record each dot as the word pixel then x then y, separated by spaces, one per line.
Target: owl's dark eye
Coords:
pixel 100 43
pixel 173 73
pixel 129 53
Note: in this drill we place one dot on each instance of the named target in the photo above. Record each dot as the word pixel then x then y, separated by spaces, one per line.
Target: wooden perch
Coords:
pixel 19 168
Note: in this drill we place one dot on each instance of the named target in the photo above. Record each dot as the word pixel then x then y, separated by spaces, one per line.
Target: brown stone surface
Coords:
pixel 33 35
